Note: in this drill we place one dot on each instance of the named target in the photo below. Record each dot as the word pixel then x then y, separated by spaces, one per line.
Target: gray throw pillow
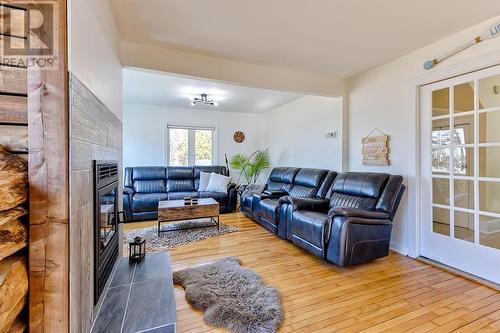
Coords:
pixel 218 183
pixel 204 179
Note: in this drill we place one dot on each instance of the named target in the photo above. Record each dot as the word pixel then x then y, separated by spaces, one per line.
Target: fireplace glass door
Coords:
pixel 107 215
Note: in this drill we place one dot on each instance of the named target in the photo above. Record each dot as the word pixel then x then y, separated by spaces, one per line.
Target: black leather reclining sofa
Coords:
pixel 263 207
pixel 144 187
pixel 345 219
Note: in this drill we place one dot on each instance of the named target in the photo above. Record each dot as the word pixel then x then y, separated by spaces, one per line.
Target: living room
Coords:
pixel 250 167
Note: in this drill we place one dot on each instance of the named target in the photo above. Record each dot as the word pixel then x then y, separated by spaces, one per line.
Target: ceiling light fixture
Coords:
pixel 203 99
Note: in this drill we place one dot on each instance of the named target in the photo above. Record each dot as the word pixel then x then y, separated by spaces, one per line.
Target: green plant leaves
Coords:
pixel 251 166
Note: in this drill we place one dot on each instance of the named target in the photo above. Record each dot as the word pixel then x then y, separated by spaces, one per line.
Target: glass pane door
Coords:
pixel 460 156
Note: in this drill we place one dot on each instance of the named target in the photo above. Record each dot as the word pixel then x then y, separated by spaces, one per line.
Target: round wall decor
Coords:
pixel 239 136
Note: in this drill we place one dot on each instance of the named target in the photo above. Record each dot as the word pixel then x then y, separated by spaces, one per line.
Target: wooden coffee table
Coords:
pixel 175 210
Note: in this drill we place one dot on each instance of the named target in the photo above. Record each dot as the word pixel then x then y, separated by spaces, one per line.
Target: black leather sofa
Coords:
pixel 145 186
pixel 263 206
pixel 352 224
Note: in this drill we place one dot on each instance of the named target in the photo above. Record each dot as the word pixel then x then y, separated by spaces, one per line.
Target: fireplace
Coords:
pixel 105 222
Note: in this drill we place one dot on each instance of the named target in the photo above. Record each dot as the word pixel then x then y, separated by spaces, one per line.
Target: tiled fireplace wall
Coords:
pixel 95 134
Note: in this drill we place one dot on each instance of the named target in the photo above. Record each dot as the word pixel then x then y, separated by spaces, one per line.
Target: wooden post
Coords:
pixel 49 189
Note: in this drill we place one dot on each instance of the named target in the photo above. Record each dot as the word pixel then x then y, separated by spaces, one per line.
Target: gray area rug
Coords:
pixel 232 296
pixel 172 239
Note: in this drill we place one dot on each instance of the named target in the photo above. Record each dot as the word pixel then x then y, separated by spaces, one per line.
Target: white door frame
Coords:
pixel 414 190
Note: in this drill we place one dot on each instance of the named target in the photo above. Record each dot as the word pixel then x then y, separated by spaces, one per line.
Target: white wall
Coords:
pixel 144 131
pixel 382 98
pixel 94 50
pixel 295 133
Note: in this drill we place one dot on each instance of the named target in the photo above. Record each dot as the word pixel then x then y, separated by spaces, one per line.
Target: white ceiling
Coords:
pixel 335 37
pixel 147 87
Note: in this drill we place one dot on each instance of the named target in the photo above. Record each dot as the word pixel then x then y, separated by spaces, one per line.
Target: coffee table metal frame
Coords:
pixel 214 219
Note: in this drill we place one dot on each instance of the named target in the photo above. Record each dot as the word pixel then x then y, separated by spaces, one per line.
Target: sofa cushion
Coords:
pixel 220 197
pixel 303 191
pixel 144 202
pixel 182 195
pixel 361 184
pixel 310 226
pixel 220 169
pixel 310 177
pixel 149 186
pixel 268 210
pixel 180 185
pixel 344 200
pixel 325 190
pixel 281 179
pixel 148 173
pixel 203 182
pixel 218 183
pixel 283 175
pixel 180 172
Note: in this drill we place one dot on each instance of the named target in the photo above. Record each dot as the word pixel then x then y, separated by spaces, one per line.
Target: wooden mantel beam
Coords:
pixel 49 187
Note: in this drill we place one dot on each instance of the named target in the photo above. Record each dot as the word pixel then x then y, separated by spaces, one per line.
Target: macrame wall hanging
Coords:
pixel 375 148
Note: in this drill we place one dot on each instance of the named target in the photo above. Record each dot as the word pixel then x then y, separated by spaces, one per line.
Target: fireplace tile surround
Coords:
pixel 140 298
pixel 95 134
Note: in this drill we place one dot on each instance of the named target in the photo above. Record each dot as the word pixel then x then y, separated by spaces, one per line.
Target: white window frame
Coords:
pixel 191 141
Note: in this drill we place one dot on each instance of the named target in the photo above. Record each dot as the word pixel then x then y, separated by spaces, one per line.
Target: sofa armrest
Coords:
pixel 232 197
pixel 353 240
pixel 128 191
pixel 260 196
pixel 275 194
pixel 359 213
pixel 252 188
pixel 312 204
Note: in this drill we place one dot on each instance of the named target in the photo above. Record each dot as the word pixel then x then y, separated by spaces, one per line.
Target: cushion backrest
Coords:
pixel 180 179
pixel 146 179
pixel 391 196
pixel 358 190
pixel 326 187
pixel 220 169
pixel 281 179
pixel 307 182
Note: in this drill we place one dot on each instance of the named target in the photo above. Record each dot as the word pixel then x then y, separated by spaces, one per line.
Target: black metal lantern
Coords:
pixel 137 250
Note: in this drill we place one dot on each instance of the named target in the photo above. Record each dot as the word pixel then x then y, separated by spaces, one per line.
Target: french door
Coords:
pixel 460 172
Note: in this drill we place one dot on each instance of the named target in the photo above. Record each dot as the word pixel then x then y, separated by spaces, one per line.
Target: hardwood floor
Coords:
pixel 393 294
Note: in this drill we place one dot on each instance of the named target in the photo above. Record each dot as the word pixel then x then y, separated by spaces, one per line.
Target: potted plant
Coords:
pixel 251 166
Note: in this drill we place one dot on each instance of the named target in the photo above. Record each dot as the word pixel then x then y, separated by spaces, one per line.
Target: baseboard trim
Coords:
pixel 460 273
pixel 396 247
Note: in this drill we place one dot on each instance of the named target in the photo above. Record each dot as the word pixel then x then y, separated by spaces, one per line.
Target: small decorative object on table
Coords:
pixel 194 201
pixel 137 250
pixel 187 201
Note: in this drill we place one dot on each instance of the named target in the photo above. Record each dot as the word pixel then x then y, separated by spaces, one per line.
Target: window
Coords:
pixel 441 156
pixel 191 145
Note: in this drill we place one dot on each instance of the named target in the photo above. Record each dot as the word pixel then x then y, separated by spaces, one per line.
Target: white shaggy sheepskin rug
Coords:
pixel 232 297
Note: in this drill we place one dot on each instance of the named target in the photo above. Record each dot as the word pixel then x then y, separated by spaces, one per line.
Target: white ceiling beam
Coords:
pixel 228 71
